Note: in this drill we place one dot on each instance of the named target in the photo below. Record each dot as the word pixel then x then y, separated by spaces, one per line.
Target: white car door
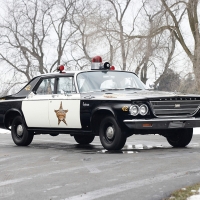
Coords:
pixel 36 106
pixel 64 108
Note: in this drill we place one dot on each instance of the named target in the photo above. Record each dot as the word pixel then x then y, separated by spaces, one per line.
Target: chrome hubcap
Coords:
pixel 110 132
pixel 19 130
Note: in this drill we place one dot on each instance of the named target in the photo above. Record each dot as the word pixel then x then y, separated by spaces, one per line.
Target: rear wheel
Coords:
pixel 111 135
pixel 84 139
pixel 20 135
pixel 180 137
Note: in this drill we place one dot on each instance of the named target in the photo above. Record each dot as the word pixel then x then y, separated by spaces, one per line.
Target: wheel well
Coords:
pixel 10 117
pixel 97 118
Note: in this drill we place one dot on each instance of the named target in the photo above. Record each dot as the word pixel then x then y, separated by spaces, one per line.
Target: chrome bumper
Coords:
pixel 162 123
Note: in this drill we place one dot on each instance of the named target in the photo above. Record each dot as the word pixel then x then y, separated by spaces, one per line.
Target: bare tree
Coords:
pixel 23 34
pixel 10 83
pixel 155 51
pixel 169 55
pixel 116 28
pixel 177 10
pixel 150 45
pixel 33 32
pixel 62 26
pixel 85 42
pixel 81 21
pixel 38 35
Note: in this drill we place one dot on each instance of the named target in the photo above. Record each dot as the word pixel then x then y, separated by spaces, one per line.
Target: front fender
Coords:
pixel 103 108
pixel 97 115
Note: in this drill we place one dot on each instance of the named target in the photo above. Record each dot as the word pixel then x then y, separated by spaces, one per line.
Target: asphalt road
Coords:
pixel 148 168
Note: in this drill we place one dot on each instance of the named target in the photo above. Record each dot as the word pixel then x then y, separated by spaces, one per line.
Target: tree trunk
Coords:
pixel 196 69
pixel 123 50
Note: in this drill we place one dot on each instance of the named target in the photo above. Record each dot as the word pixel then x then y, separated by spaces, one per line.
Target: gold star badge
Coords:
pixel 61 114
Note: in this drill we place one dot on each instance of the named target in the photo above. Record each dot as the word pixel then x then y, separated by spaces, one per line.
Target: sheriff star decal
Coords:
pixel 61 114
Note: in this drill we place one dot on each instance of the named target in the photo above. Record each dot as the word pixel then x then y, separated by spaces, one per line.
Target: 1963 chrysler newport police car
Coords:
pixel 101 102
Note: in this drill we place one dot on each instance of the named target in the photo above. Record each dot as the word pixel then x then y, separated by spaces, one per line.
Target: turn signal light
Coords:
pixel 147 125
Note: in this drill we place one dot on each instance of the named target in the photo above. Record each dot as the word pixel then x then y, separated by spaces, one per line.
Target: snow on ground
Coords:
pixel 195 197
pixel 4 131
pixel 196 130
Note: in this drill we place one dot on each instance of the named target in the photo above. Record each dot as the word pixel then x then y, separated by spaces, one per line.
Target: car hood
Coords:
pixel 151 94
pixel 137 95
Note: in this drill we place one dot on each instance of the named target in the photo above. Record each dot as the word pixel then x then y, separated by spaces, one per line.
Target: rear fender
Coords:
pixel 10 115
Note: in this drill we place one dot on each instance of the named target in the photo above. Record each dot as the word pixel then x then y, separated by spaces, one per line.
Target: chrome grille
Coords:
pixel 175 107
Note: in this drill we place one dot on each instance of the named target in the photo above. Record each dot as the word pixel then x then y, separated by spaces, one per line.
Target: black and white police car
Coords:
pixel 100 102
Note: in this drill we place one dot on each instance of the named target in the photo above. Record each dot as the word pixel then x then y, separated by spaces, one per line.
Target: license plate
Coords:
pixel 176 124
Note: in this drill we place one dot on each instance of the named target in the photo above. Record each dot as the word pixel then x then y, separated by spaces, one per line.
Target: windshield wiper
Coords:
pixel 132 88
pixel 108 89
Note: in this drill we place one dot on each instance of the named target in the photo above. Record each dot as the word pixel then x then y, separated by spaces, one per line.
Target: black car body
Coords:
pixel 107 103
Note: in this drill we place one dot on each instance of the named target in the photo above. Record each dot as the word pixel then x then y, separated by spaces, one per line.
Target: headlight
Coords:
pixel 134 110
pixel 143 109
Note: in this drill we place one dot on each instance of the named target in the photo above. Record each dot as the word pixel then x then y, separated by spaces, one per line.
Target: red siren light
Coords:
pixel 60 68
pixel 112 68
pixel 96 62
pixel 98 65
pixel 97 59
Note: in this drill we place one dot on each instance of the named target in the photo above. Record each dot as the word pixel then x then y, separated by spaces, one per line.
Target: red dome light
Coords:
pixel 61 68
pixel 112 68
pixel 97 59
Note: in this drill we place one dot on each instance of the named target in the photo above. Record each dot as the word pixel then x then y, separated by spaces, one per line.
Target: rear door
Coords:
pixel 36 106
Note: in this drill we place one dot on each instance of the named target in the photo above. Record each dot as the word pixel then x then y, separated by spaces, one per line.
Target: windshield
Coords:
pixel 108 80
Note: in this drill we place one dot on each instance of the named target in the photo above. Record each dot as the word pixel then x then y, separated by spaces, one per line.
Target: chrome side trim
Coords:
pixel 160 120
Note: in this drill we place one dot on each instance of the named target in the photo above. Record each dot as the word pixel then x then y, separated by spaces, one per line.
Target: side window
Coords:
pixel 46 86
pixel 28 88
pixel 66 85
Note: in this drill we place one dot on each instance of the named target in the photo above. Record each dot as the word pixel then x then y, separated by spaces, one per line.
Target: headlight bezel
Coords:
pixel 139 109
pixel 146 111
pixel 131 107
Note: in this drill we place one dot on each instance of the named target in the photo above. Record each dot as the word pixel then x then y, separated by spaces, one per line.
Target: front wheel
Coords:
pixel 111 135
pixel 84 139
pixel 180 137
pixel 20 135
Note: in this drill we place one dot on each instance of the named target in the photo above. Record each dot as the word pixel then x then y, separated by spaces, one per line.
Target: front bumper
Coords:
pixel 162 123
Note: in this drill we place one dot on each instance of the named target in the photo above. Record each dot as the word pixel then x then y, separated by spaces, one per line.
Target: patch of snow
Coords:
pixel 194 197
pixel 196 131
pixel 4 131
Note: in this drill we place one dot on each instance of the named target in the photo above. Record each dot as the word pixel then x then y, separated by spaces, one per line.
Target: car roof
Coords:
pixel 65 73
pixel 54 74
